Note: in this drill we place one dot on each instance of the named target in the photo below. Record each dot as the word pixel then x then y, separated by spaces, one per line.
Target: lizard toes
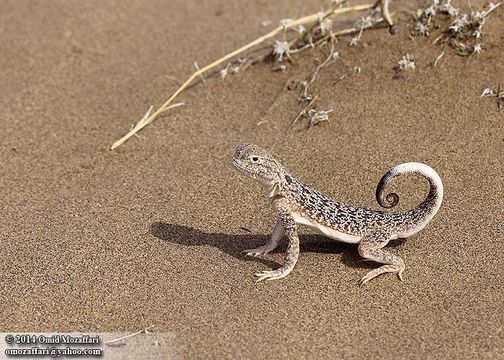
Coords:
pixel 251 252
pixel 363 280
pixel 255 252
pixel 399 274
pixel 261 277
pixel 270 275
pixel 369 276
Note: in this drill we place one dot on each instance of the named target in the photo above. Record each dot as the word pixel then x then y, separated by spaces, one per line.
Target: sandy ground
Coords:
pixel 94 240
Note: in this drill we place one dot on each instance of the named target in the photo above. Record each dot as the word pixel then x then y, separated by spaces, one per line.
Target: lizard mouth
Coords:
pixel 238 164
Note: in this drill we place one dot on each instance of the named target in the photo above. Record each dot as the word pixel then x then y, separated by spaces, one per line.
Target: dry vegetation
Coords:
pixel 462 32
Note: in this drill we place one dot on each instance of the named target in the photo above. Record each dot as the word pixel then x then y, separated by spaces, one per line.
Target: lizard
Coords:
pixel 298 204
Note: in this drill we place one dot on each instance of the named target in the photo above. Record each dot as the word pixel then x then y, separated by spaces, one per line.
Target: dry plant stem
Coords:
pixel 301 21
pixel 302 112
pixel 198 69
pixel 354 30
pixel 349 31
pixel 144 331
pixel 438 58
pixel 332 37
pixel 315 73
pixel 145 120
pixel 280 92
pixel 492 9
pixel 327 13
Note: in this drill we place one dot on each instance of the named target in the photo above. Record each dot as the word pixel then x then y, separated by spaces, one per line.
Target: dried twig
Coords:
pixel 144 331
pixel 349 31
pixel 302 113
pixel 145 120
pixel 326 61
pixel 438 58
pixel 201 74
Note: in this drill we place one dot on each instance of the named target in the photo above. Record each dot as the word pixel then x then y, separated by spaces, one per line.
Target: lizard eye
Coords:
pixel 254 159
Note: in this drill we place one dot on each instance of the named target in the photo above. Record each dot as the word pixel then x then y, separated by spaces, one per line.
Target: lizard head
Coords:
pixel 259 165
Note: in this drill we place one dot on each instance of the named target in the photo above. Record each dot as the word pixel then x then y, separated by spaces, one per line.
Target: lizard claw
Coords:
pixel 251 253
pixel 399 274
pixel 271 275
pixel 382 270
pixel 364 280
pixel 256 252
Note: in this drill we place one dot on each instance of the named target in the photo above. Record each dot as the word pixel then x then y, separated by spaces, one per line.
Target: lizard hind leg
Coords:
pixel 370 248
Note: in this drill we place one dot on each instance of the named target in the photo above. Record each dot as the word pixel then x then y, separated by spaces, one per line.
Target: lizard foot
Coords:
pixel 262 250
pixel 382 270
pixel 271 274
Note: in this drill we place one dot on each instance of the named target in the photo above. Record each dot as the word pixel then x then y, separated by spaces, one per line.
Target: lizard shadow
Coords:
pixel 235 244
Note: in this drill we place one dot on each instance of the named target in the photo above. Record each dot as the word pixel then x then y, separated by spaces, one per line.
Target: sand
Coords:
pixel 151 234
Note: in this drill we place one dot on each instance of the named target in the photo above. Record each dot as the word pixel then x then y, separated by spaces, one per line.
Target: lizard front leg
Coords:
pixel 287 221
pixel 278 233
pixel 370 248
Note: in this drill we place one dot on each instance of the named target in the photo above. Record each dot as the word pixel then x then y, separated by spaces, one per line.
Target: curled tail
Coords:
pixel 418 217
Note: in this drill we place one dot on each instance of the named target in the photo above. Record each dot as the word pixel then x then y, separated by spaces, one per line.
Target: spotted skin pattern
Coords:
pixel 297 204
